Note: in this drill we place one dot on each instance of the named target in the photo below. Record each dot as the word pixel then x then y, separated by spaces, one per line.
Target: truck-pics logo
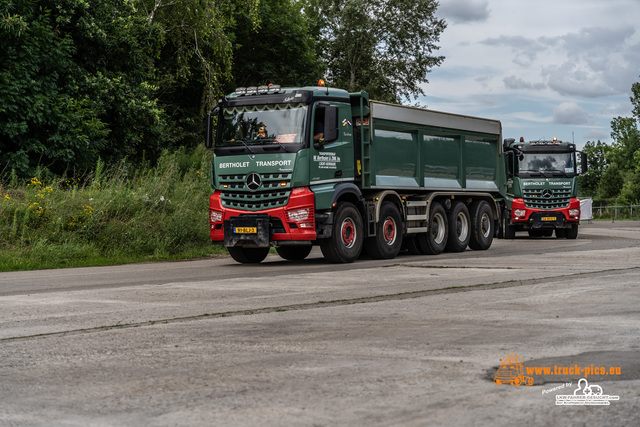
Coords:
pixel 511 371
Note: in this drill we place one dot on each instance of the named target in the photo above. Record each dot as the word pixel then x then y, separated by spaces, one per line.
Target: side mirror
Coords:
pixel 208 142
pixel 507 143
pixel 330 124
pixel 583 161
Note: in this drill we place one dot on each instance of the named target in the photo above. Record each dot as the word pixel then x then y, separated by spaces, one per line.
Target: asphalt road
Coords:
pixel 411 341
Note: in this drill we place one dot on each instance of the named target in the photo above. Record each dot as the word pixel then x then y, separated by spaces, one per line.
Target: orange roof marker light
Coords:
pixel 321 83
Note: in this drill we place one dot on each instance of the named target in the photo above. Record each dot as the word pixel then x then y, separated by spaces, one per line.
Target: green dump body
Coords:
pixel 416 149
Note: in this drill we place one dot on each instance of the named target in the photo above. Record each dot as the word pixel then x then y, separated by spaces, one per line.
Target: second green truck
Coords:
pixel 542 188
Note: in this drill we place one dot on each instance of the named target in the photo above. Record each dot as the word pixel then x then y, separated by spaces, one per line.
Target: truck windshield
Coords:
pixel 253 125
pixel 547 162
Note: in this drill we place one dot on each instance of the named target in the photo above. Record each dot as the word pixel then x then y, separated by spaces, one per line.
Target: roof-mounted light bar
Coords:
pixel 544 142
pixel 258 90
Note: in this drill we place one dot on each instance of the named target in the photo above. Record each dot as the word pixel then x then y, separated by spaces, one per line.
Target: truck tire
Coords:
pixel 561 233
pixel 434 241
pixel 459 228
pixel 481 226
pixel 387 242
pixel 294 253
pixel 248 255
pixel 572 233
pixel 347 236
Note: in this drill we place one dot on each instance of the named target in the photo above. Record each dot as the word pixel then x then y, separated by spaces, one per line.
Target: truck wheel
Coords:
pixel 459 228
pixel 387 242
pixel 435 239
pixel 560 233
pixel 347 235
pixel 481 226
pixel 248 255
pixel 294 253
pixel 572 233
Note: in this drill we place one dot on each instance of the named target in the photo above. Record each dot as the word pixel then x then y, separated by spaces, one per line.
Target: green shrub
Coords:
pixel 118 213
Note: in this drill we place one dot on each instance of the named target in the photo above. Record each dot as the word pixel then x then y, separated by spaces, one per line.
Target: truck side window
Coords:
pixel 318 125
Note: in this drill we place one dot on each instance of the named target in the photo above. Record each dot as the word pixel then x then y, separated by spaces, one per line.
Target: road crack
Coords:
pixel 324 304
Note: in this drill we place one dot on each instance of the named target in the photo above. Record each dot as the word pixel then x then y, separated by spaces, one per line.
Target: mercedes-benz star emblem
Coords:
pixel 253 181
pixel 546 193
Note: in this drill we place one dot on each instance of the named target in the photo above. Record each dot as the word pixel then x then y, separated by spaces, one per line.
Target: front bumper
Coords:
pixel 270 227
pixel 525 218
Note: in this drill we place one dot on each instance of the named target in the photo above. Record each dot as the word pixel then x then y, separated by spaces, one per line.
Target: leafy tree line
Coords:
pixel 125 79
pixel 614 169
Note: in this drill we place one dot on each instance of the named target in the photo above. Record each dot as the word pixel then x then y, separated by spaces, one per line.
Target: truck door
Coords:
pixel 332 156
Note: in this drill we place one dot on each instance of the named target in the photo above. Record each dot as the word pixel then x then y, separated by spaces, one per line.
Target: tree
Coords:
pixel 624 131
pixel 611 182
pixel 111 79
pixel 382 46
pixel 597 159
pixel 74 84
pixel 193 63
pixel 280 50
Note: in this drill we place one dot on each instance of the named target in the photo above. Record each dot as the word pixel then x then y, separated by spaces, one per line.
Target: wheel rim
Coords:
pixel 485 225
pixel 348 233
pixel 390 231
pixel 462 227
pixel 438 228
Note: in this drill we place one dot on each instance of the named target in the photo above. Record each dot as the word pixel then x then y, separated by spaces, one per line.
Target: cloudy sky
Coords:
pixel 544 68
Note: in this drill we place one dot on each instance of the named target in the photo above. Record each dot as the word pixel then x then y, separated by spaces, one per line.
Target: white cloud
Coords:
pixel 516 83
pixel 525 50
pixel 558 68
pixel 464 11
pixel 596 135
pixel 570 113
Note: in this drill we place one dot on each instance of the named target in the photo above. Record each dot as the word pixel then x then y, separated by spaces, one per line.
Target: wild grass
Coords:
pixel 115 214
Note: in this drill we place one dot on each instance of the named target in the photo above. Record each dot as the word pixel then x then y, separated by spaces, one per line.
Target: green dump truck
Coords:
pixel 297 167
pixel 542 188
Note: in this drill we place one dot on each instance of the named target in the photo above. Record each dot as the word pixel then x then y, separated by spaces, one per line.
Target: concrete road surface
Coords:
pixel 414 341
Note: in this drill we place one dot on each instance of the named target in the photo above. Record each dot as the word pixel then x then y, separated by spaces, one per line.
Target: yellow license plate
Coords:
pixel 246 230
pixel 548 218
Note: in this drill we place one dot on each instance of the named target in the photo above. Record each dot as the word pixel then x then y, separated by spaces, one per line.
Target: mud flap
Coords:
pixel 247 230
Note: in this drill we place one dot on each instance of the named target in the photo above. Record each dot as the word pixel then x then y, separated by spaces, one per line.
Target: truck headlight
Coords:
pixel 574 212
pixel 519 212
pixel 298 215
pixel 215 216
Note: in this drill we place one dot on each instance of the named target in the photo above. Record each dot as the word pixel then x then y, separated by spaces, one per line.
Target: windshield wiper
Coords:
pixel 246 145
pixel 558 171
pixel 273 141
pixel 531 172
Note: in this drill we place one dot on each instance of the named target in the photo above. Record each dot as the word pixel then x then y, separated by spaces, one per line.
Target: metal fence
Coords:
pixel 616 212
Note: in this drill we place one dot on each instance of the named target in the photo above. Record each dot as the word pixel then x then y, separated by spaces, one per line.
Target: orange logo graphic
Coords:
pixel 511 371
